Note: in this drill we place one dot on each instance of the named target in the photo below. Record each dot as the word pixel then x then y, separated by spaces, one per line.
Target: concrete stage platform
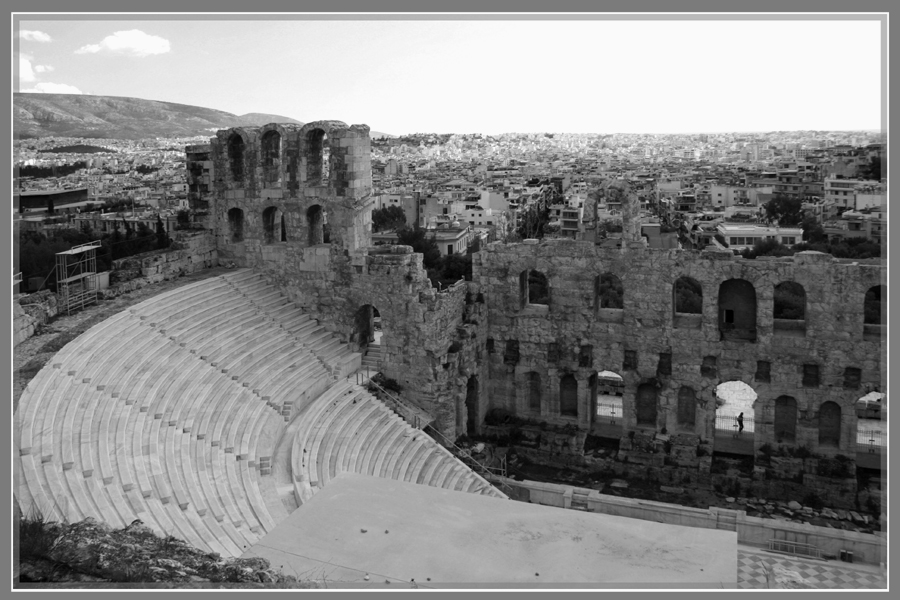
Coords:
pixel 446 539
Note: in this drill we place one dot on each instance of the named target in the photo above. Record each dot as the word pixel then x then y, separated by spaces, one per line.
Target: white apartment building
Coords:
pixel 739 236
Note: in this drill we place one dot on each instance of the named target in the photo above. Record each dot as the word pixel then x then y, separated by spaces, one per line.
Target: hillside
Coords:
pixel 112 117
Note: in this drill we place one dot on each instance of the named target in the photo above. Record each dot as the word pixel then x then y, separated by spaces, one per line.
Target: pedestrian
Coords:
pixel 740 421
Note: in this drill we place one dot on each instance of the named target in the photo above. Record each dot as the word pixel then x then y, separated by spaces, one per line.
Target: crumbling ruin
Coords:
pixel 282 201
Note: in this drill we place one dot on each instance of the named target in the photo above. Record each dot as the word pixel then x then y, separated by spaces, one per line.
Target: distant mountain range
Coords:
pixel 114 117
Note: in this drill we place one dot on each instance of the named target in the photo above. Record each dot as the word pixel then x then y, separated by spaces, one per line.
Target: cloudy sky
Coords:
pixel 478 76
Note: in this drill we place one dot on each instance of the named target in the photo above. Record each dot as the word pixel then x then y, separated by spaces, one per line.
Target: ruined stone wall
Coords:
pixel 190 252
pixel 266 173
pixel 642 343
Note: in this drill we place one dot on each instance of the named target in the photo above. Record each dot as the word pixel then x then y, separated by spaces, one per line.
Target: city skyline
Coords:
pixel 488 77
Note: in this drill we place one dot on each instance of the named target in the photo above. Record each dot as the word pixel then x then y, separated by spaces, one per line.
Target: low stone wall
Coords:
pixel 192 251
pixel 754 531
pixel 23 325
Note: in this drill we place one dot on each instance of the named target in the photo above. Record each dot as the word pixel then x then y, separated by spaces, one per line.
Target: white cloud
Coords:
pixel 131 43
pixel 26 72
pixel 53 88
pixel 34 36
pixel 42 68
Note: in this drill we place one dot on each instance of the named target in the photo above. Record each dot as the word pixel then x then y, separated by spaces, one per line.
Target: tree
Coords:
pixel 162 238
pixel 787 211
pixel 767 248
pixel 812 230
pixel 388 218
pixel 423 244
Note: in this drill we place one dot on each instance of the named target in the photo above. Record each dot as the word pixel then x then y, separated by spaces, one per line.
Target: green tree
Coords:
pixel 812 230
pixel 787 211
pixel 422 243
pixel 767 248
pixel 389 218
pixel 162 238
pixel 688 296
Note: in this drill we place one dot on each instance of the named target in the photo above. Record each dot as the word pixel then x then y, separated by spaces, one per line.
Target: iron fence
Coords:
pixel 730 423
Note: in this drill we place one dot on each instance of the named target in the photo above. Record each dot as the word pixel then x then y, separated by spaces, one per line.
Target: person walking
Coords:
pixel 740 422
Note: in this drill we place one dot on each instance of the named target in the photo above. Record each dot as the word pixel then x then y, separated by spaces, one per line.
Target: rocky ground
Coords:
pixel 91 554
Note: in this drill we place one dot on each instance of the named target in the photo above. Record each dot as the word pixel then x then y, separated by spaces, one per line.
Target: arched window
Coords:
pixel 785 419
pixel 236 224
pixel 687 407
pixel 687 303
pixel 283 229
pixel 236 157
pixel 534 392
pixel 538 288
pixel 270 147
pixel 873 314
pixel 646 404
pixel 609 292
pixel 315 222
pixel 790 308
pixel 317 155
pixel 269 220
pixel 737 310
pixel 568 395
pixel 829 424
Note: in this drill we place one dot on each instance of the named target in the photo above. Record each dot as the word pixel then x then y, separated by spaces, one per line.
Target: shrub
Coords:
pixel 37 536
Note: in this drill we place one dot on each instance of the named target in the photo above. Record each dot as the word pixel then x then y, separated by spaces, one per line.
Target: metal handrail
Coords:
pixel 456 452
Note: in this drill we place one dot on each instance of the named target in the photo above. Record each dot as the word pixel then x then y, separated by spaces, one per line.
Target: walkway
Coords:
pixel 830 574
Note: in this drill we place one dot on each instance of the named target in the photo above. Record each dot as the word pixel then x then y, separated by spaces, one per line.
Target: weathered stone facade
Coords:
pixel 458 353
pixel 658 353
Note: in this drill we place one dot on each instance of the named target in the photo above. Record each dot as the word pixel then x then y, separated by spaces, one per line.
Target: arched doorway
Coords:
pixel 315 223
pixel 270 148
pixel 646 401
pixel 568 395
pixel 687 408
pixel 236 224
pixel 236 157
pixel 735 408
pixel 830 424
pixel 785 419
pixel 737 310
pixel 272 218
pixel 318 152
pixel 368 326
pixel 607 390
pixel 472 406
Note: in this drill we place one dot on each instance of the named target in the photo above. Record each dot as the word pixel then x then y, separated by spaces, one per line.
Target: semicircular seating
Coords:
pixel 172 410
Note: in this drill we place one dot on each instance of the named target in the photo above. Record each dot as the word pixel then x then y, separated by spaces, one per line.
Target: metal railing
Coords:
pixel 397 406
pixel 609 411
pixel 871 439
pixel 796 548
pixel 730 423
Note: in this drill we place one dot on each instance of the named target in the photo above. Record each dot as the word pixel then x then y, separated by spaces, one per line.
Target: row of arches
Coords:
pixel 275 226
pixel 317 152
pixel 605 384
pixel 736 302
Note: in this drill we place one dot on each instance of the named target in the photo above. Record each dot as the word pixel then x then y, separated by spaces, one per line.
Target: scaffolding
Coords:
pixel 76 276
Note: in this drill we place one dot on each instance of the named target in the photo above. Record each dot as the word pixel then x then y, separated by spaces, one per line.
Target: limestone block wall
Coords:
pixel 192 251
pixel 283 184
pixel 419 323
pixel 647 346
pixel 23 325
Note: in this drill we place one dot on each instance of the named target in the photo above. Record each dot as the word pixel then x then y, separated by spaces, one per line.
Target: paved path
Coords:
pixel 820 574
